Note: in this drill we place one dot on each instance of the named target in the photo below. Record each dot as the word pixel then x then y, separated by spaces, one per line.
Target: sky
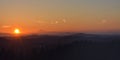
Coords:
pixel 38 16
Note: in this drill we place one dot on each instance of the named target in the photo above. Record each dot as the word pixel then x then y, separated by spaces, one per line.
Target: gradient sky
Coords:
pixel 60 15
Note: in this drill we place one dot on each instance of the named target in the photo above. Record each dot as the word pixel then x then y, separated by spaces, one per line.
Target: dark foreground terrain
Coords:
pixel 54 47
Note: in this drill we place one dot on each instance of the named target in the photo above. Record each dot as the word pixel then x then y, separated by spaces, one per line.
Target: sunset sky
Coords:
pixel 38 16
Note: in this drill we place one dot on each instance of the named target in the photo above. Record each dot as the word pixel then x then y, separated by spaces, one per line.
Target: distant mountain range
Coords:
pixel 5 34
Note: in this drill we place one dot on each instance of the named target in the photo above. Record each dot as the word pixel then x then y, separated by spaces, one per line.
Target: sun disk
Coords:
pixel 17 31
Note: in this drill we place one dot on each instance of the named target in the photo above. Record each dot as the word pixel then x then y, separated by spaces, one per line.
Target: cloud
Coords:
pixel 64 20
pixel 56 22
pixel 6 26
pixel 104 21
pixel 41 21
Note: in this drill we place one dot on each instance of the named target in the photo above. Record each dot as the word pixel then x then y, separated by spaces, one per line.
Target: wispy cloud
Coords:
pixel 5 26
pixel 64 20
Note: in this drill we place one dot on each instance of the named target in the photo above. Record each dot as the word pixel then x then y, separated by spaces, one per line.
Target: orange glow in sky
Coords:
pixel 43 16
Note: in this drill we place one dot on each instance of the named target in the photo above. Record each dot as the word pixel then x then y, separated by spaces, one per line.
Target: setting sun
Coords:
pixel 17 31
